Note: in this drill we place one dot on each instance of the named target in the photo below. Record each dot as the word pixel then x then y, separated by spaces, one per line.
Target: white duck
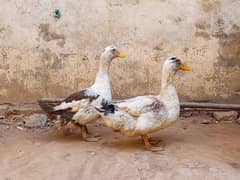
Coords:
pixel 142 115
pixel 78 108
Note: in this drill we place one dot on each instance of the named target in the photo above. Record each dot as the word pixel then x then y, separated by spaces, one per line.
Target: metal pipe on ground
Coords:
pixel 211 106
pixel 184 105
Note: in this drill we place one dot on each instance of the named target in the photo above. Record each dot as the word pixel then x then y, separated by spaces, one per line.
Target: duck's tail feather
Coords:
pixel 47 104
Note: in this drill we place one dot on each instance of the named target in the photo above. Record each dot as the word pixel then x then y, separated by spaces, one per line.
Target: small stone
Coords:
pixel 35 121
pixel 37 143
pixel 196 113
pixel 206 121
pixel 4 107
pixel 186 114
pixel 93 153
pixel 227 122
pixel 238 121
pixel 225 116
pixel 20 128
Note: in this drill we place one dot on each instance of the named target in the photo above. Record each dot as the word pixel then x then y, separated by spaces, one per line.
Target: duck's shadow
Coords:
pixel 114 140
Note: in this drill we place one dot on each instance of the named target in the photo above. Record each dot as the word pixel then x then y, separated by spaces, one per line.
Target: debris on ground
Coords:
pixel 35 121
pixel 5 122
pixel 225 116
pixel 209 121
pixel 238 121
pixel 17 117
pixel 186 114
pixel 18 109
pixel 20 128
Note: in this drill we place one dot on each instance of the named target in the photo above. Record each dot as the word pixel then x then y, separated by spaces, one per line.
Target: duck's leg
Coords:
pixel 154 141
pixel 86 129
pixel 85 135
pixel 89 133
pixel 60 126
pixel 149 146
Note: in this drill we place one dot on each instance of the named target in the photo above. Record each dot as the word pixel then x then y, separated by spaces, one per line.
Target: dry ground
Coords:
pixel 192 151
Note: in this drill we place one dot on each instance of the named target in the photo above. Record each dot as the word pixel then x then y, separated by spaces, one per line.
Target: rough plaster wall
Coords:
pixel 41 56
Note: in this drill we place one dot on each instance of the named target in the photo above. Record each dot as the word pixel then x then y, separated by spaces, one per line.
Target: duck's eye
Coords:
pixel 177 61
pixel 173 58
pixel 113 50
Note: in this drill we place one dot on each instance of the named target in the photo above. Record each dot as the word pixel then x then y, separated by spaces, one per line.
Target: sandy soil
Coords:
pixel 192 151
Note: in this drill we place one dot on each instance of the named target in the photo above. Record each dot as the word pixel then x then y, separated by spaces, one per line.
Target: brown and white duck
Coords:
pixel 78 108
pixel 143 115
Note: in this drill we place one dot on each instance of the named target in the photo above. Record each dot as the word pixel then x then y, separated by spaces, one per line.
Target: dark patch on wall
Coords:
pixel 186 50
pixel 229 49
pixel 58 90
pixel 3 59
pixel 13 88
pixel 52 60
pixel 202 25
pixel 219 28
pixel 123 2
pixel 178 19
pixel 61 43
pixel 157 52
pixel 2 29
pixel 235 27
pixel 47 35
pixel 210 5
pixel 235 165
pixel 202 34
pixel 85 58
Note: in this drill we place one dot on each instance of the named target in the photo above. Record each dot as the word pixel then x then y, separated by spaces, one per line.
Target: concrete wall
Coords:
pixel 41 56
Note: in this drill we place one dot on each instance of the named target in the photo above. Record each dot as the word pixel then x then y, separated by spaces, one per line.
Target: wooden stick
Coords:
pixel 52 99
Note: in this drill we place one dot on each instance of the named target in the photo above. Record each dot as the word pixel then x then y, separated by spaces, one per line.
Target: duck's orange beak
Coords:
pixel 121 55
pixel 185 68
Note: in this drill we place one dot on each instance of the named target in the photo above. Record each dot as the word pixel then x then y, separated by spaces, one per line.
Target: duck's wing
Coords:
pixel 84 94
pixel 74 103
pixel 135 106
pixel 80 99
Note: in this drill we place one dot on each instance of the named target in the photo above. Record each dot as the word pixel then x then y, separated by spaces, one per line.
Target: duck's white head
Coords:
pixel 173 64
pixel 170 66
pixel 102 84
pixel 111 52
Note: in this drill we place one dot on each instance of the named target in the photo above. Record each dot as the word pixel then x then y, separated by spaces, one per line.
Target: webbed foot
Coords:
pixel 148 144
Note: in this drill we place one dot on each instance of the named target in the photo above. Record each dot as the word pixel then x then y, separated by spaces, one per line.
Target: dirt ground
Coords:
pixel 192 151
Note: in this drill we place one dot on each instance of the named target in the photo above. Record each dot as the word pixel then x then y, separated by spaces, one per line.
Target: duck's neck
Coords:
pixel 167 87
pixel 169 95
pixel 102 85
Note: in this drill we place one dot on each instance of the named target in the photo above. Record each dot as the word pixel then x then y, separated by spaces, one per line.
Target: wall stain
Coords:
pixel 203 34
pixel 178 19
pixel 229 50
pixel 2 29
pixel 210 5
pixel 157 52
pixel 3 59
pixel 235 27
pixel 202 25
pixel 47 35
pixel 113 3
pixel 52 60
pixel 13 88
